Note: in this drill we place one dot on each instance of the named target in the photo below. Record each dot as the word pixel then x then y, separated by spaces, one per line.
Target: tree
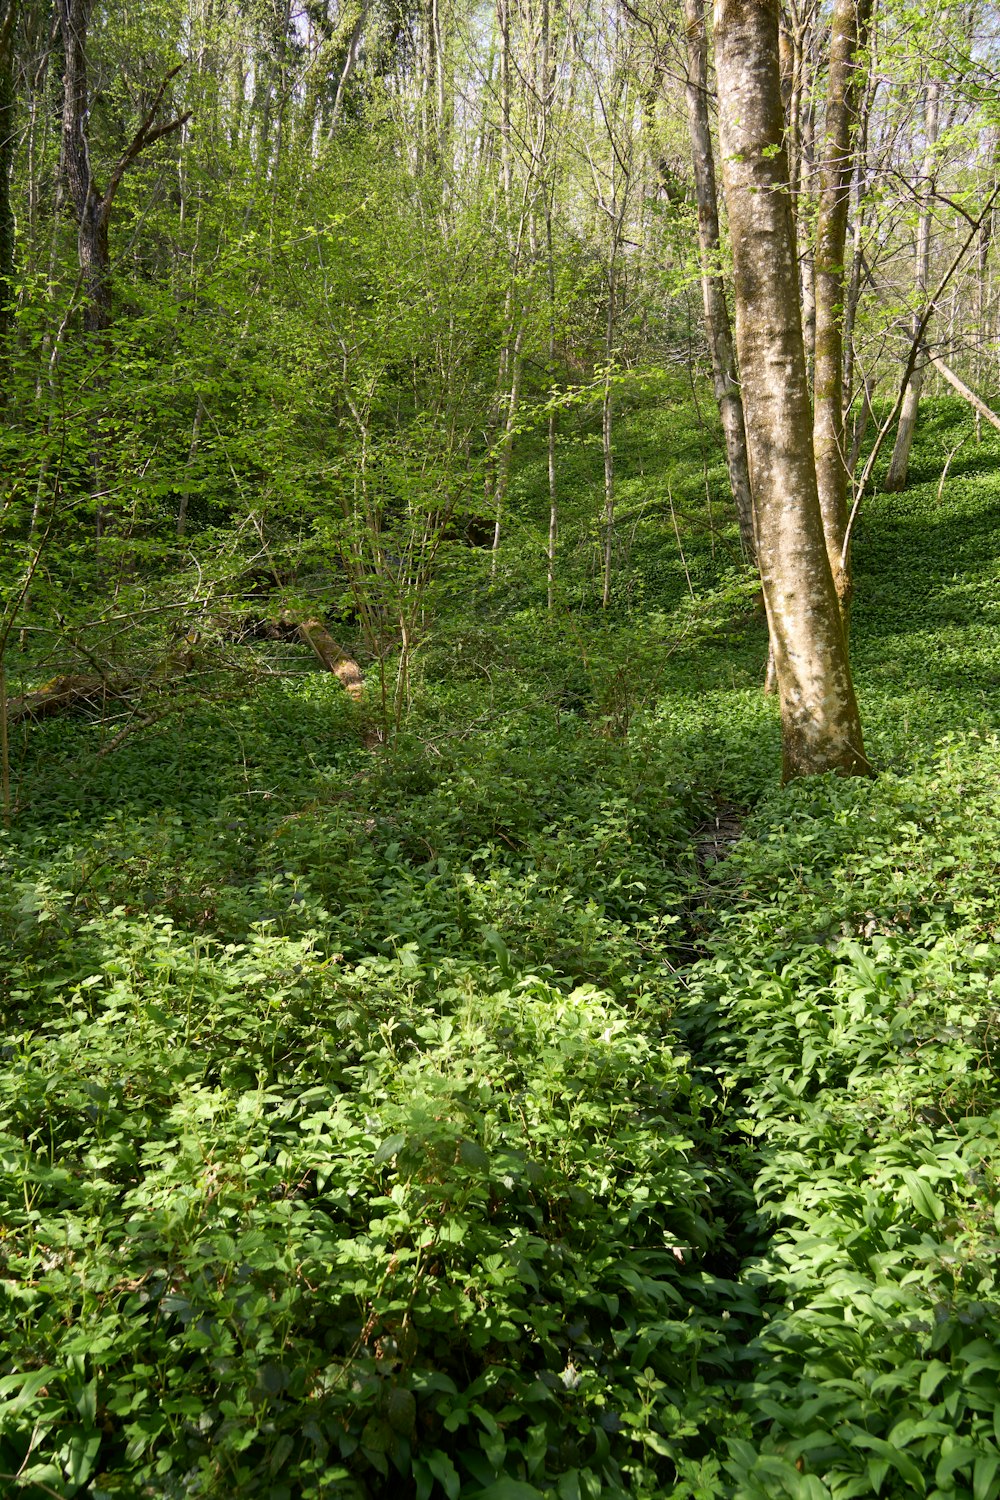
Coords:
pixel 717 325
pixel 899 464
pixel 821 726
pixel 8 17
pixel 848 34
pixel 92 203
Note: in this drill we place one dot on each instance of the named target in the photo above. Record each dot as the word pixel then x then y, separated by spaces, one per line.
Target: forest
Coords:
pixel 499 749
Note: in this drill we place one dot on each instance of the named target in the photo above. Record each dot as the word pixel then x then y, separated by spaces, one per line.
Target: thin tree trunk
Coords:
pixel 899 464
pixel 849 28
pixel 717 325
pixel 607 417
pixel 807 190
pixel 546 84
pixel 510 354
pixel 350 63
pixel 8 139
pixel 503 21
pixel 982 304
pixel 608 403
pixel 858 435
pixel 553 513
pixel 93 205
pixel 821 727
pixel 501 478
pixel 860 194
pixel 182 508
pixel 851 300
pixel 91 211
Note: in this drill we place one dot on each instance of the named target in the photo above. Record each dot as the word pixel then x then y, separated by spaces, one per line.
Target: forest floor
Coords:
pixel 546 1105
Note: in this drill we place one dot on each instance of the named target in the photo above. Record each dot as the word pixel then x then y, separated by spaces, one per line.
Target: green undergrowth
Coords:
pixel 849 1004
pixel 452 1121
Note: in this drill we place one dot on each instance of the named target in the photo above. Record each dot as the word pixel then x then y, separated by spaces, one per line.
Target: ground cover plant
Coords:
pixel 469 1117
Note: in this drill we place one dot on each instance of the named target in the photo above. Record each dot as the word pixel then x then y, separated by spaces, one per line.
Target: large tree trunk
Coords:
pixel 821 727
pixel 899 464
pixel 849 30
pixel 717 327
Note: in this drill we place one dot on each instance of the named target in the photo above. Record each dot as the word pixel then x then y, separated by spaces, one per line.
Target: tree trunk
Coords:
pixel 553 515
pixel 821 727
pixel 8 140
pixel 849 29
pixel 717 326
pixel 501 475
pixel 899 464
pixel 93 207
pixel 350 63
pixel 315 635
pixel 608 403
pixel 607 419
pixel 91 212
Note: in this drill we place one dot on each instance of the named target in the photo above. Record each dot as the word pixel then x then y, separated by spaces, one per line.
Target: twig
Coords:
pixel 915 346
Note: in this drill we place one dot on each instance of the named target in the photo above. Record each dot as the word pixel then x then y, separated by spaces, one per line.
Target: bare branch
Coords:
pixel 146 134
pixel 915 347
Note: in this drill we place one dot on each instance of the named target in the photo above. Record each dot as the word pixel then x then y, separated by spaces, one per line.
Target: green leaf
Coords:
pixel 79 1455
pixel 979 1355
pixel 27 1388
pixel 280 1454
pixel 401 1410
pixel 961 1456
pixel 473 1155
pixel 932 1377
pixel 445 1473
pixel 510 1489
pixel 493 940
pixel 388 1148
pixel 923 1196
pixel 984 1476
pixel 376 1436
pixel 903 1465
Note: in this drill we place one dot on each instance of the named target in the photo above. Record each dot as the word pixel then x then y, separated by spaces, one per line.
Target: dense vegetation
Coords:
pixel 546 1102
pixel 440 1059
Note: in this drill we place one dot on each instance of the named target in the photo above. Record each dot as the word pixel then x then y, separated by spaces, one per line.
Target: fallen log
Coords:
pixel 69 692
pixel 316 636
pixel 61 695
pixel 964 391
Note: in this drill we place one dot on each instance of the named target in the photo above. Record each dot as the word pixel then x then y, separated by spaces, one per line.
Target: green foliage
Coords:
pixel 851 1003
pixel 452 1120
pixel 456 1212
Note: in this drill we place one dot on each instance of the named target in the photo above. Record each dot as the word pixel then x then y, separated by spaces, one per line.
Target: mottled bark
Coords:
pixel 848 34
pixel 717 326
pixel 899 464
pixel 821 727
